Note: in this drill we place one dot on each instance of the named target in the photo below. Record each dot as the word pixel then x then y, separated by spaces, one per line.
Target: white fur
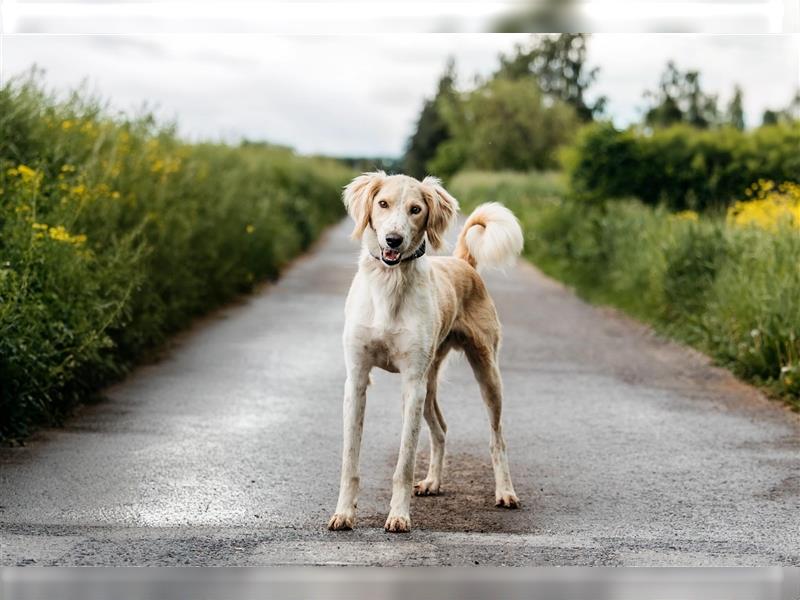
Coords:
pixel 497 243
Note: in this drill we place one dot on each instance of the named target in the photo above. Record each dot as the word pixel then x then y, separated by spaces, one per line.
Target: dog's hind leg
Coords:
pixel 483 359
pixel 431 485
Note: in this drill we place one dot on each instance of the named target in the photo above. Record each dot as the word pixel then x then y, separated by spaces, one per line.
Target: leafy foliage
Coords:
pixel 503 124
pixel 731 290
pixel 558 65
pixel 114 233
pixel 680 99
pixel 680 166
pixel 431 130
pixel 790 114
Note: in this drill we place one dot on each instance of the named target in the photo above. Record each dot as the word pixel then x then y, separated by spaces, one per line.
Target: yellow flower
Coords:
pixel 38 225
pixel 67 124
pixel 78 190
pixel 115 195
pixel 26 172
pixel 249 229
pixel 773 204
pixel 60 234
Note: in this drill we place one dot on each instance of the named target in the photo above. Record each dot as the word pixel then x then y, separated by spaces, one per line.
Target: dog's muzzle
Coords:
pixel 390 256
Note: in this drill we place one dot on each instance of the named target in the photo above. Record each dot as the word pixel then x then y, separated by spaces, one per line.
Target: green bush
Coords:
pixel 733 292
pixel 114 233
pixel 680 167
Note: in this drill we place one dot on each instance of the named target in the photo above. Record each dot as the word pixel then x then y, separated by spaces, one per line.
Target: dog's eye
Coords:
pixel 415 210
pixel 383 204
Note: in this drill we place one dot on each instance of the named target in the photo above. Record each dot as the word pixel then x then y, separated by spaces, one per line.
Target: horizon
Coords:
pixel 225 88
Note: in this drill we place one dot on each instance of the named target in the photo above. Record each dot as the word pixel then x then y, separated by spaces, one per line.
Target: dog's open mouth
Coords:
pixel 389 256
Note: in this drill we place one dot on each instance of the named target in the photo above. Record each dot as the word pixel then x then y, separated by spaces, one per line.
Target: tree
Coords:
pixel 558 64
pixel 431 130
pixel 680 98
pixel 789 114
pixel 735 112
pixel 770 117
pixel 504 124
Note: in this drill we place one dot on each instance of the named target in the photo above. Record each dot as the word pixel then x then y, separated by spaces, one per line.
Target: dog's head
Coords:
pixel 394 213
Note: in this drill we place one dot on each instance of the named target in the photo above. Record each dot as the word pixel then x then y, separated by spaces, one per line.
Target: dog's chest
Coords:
pixel 391 345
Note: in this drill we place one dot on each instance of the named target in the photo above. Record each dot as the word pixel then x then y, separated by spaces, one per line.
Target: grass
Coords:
pixel 731 291
pixel 115 233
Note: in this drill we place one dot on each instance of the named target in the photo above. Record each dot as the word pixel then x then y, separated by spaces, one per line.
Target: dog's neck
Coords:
pixel 391 286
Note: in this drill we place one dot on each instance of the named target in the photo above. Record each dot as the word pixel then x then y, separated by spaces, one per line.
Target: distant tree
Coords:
pixel 770 117
pixel 558 64
pixel 792 111
pixel 680 98
pixel 788 115
pixel 735 113
pixel 504 124
pixel 431 130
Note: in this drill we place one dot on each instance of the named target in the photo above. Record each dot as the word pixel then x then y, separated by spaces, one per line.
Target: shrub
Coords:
pixel 681 167
pixel 115 233
pixel 731 290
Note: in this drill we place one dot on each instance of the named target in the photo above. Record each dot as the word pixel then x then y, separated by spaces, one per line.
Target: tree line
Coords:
pixel 536 101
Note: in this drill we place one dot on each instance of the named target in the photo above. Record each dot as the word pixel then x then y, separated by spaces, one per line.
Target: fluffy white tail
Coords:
pixel 491 237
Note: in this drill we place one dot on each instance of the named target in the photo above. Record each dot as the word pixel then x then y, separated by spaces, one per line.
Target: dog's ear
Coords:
pixel 358 196
pixel 442 209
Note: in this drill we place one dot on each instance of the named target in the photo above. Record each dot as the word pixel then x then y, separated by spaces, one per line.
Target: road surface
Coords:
pixel 625 449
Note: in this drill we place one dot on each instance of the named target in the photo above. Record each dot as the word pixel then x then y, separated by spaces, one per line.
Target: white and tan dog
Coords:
pixel 406 311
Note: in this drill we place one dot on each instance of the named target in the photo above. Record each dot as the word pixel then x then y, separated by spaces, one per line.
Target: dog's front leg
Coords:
pixel 414 389
pixel 355 397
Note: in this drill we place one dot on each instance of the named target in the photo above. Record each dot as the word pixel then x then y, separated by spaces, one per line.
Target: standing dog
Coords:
pixel 406 311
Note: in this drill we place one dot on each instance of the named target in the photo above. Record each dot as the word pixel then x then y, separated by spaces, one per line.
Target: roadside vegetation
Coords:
pixel 688 220
pixel 115 233
pixel 726 284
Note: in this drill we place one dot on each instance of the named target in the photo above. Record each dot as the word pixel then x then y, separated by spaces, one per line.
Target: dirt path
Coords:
pixel 625 449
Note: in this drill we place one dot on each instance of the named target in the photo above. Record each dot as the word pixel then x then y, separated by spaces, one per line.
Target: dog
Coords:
pixel 405 311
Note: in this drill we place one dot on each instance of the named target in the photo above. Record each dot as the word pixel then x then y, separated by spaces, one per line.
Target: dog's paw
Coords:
pixel 398 524
pixel 506 500
pixel 342 522
pixel 427 487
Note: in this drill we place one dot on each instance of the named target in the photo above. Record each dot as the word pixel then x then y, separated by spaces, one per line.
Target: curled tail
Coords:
pixel 491 237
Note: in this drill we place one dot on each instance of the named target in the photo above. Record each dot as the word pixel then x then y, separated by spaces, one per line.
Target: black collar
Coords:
pixel 419 252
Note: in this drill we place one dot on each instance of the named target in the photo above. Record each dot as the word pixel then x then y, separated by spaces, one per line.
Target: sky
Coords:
pixel 359 95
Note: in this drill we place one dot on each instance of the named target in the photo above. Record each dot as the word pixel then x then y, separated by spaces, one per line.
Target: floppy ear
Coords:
pixel 358 196
pixel 442 209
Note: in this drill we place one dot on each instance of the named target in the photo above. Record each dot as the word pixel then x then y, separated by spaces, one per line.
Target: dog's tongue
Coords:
pixel 391 255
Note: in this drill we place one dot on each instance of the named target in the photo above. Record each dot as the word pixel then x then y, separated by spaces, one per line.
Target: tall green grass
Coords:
pixel 115 233
pixel 732 292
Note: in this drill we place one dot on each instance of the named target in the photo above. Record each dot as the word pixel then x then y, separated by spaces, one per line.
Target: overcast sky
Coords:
pixel 360 95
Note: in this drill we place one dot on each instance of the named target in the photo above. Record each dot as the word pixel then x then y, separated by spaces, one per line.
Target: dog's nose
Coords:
pixel 394 240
